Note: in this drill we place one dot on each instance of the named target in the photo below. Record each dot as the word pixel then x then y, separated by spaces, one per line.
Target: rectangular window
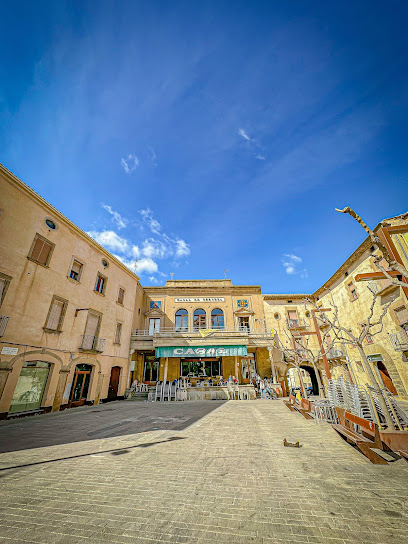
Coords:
pixel 154 325
pixel 56 314
pixel 121 295
pixel 118 333
pixel 4 283
pixel 41 250
pixel 352 291
pixel 76 270
pixel 100 285
pixel 244 323
pixel 293 318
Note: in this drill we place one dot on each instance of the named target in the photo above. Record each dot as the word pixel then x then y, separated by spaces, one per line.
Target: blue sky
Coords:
pixel 198 137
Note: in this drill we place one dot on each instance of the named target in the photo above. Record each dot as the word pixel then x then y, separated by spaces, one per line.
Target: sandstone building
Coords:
pixel 77 327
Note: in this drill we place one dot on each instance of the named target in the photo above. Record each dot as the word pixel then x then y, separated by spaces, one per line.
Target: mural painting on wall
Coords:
pixel 242 304
pixel 155 304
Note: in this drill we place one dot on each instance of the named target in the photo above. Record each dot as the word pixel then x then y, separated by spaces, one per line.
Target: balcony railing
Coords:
pixel 335 353
pixel 169 332
pixel 92 343
pixel 3 324
pixel 296 324
pixel 399 341
pixel 322 321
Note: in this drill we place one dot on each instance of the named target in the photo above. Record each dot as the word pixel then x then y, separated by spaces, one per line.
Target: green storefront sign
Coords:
pixel 201 351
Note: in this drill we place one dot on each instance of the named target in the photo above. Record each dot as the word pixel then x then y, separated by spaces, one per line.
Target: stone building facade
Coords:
pixel 66 308
pixel 208 328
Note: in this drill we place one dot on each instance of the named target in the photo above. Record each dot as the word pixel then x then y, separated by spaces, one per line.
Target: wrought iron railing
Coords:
pixel 3 324
pixel 399 341
pixel 92 343
pixel 164 332
pixel 335 353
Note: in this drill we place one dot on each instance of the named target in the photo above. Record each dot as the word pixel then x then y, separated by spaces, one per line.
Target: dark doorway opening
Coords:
pixel 114 383
pixel 312 374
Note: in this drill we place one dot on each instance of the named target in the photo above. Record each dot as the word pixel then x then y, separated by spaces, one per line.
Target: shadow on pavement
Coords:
pixel 118 418
pixel 120 451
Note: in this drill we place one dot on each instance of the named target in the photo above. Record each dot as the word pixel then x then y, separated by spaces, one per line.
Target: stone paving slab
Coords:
pixel 226 478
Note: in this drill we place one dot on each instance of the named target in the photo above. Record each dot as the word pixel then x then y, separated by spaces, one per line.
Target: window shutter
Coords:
pixel 40 251
pixel 118 333
pixel 2 286
pixel 35 254
pixel 292 315
pixel 55 315
pixel 92 324
pixel 121 296
pixel 76 267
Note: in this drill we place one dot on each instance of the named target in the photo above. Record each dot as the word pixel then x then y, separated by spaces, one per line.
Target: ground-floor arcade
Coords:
pixel 43 380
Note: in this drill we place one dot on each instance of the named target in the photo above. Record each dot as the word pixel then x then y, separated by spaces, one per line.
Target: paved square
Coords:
pixel 226 479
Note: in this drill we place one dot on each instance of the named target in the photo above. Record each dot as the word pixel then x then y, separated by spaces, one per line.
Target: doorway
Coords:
pixel 313 386
pixel 386 378
pixel 80 385
pixel 151 369
pixel 114 383
pixel 30 387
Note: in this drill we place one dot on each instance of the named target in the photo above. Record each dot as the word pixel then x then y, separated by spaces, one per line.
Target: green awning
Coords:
pixel 201 351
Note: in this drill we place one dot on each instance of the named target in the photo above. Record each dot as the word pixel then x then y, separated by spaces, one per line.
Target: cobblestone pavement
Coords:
pixel 102 421
pixel 225 479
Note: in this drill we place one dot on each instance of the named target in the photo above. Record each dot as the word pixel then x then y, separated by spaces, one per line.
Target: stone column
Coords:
pixel 59 392
pixel 99 388
pixel 236 368
pixel 166 368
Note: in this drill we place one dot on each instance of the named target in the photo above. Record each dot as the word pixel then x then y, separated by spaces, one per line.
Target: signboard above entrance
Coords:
pixel 201 351
pixel 200 299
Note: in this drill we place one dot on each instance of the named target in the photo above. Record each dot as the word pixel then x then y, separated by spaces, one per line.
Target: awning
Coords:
pixel 200 351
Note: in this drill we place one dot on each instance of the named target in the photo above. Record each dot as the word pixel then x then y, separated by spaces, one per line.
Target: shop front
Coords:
pixel 202 362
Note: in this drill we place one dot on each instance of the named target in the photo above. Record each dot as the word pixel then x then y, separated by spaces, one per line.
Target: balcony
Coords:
pixel 161 337
pixel 399 341
pixel 322 321
pixel 296 324
pixel 92 343
pixel 3 324
pixel 335 353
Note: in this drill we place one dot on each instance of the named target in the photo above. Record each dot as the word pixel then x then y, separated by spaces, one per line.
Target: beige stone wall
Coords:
pixel 31 290
pixel 354 312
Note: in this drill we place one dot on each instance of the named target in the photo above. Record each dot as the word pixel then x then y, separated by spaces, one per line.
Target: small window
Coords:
pixel 4 283
pixel 276 316
pixel 100 285
pixel 50 223
pixel 352 291
pixel 369 339
pixel 402 315
pixel 76 270
pixel 118 333
pixel 56 314
pixel 41 250
pixel 243 323
pixel 121 296
pixel 105 263
pixel 307 313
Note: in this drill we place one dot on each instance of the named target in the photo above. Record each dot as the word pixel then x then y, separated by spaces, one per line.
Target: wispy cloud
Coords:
pixel 121 222
pixel 110 240
pixel 151 222
pixel 244 134
pixel 260 157
pixel 142 257
pixel 153 156
pixel 152 279
pixel 291 264
pixel 129 163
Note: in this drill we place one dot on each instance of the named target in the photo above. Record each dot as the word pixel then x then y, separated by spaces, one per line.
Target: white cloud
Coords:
pixel 182 248
pixel 129 163
pixel 152 279
pixel 290 262
pixel 151 222
pixel 153 156
pixel 156 248
pixel 260 157
pixel 242 133
pixel 120 221
pixel 110 240
pixel 146 265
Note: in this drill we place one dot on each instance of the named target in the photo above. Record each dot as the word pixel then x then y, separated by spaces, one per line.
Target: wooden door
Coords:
pixel 386 378
pixel 114 383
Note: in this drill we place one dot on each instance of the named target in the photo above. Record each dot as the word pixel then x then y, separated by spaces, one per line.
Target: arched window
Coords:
pixel 199 321
pixel 217 319
pixel 181 320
